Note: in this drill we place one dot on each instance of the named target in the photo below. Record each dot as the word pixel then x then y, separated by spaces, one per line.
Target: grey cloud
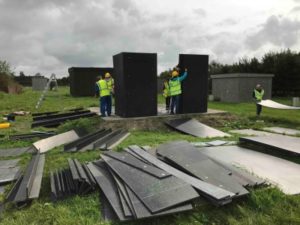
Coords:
pixel 295 9
pixel 282 32
pixel 227 22
pixel 200 12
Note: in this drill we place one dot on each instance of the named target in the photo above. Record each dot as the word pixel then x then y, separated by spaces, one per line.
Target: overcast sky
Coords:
pixel 51 36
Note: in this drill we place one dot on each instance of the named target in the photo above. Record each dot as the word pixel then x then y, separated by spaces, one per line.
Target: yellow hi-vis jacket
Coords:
pixel 111 84
pixel 175 87
pixel 104 89
pixel 166 91
pixel 259 95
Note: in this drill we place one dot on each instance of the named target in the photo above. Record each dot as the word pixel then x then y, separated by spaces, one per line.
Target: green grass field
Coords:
pixel 266 205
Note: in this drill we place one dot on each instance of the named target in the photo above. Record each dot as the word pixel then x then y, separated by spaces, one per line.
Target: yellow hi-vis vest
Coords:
pixel 166 92
pixel 104 90
pixel 175 87
pixel 259 95
pixel 110 84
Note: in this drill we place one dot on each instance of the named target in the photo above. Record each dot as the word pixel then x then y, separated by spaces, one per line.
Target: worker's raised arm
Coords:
pixel 181 78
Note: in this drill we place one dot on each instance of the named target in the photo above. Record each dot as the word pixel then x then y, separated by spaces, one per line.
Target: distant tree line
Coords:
pixel 285 65
pixel 26 80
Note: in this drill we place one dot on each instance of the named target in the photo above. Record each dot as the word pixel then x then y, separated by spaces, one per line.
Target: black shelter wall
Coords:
pixel 82 79
pixel 135 84
pixel 195 86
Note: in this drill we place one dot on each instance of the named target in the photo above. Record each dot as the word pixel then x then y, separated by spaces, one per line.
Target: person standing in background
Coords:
pixel 258 94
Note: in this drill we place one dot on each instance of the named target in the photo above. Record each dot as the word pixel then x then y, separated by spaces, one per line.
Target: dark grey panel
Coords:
pixel 107 211
pixel 283 173
pixel 35 186
pixel 9 174
pixel 22 193
pixel 129 151
pixel 142 212
pixel 191 160
pixel 195 128
pixel 134 162
pixel 101 143
pixel 73 144
pixel 13 151
pixel 218 195
pixel 282 143
pixel 241 176
pixel 108 187
pixel 126 203
pixel 5 164
pixel 156 194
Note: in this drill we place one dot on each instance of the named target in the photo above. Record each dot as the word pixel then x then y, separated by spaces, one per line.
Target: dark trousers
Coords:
pixel 167 103
pixel 258 109
pixel 105 105
pixel 175 104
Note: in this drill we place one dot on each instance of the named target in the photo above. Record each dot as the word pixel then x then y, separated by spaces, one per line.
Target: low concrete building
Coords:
pixel 39 83
pixel 238 87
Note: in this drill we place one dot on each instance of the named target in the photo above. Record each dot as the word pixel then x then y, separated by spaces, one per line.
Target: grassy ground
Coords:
pixel 263 206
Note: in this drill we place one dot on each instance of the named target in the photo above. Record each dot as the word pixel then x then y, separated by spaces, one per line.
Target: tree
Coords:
pixel 5 68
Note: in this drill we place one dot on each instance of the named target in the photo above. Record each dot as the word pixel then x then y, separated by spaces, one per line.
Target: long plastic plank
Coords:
pixel 191 160
pixel 73 144
pixel 53 116
pixel 109 189
pixel 281 172
pixel 103 140
pixel 56 122
pixel 283 130
pixel 282 143
pixel 134 162
pixel 156 194
pixel 37 181
pixel 250 132
pixel 116 140
pixel 22 194
pixel 271 104
pixel 195 128
pixel 125 201
pixel 142 212
pixel 219 195
pixel 13 152
pixel 47 144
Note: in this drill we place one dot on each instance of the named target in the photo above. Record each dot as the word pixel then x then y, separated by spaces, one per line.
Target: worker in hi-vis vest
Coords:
pixel 258 94
pixel 105 97
pixel 175 90
pixel 166 93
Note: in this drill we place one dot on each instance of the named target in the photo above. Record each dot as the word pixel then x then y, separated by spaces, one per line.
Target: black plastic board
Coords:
pixel 125 201
pixel 282 143
pixel 109 188
pixel 102 141
pixel 60 115
pixel 135 84
pixel 73 144
pixel 107 211
pixel 195 128
pixel 156 194
pixel 134 162
pixel 57 121
pixel 22 193
pixel 192 161
pixel 195 86
pixel 142 212
pixel 83 79
pixel 13 152
pixel 218 195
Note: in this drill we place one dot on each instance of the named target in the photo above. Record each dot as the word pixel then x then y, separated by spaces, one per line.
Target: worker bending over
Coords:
pixel 105 95
pixel 175 89
pixel 258 94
